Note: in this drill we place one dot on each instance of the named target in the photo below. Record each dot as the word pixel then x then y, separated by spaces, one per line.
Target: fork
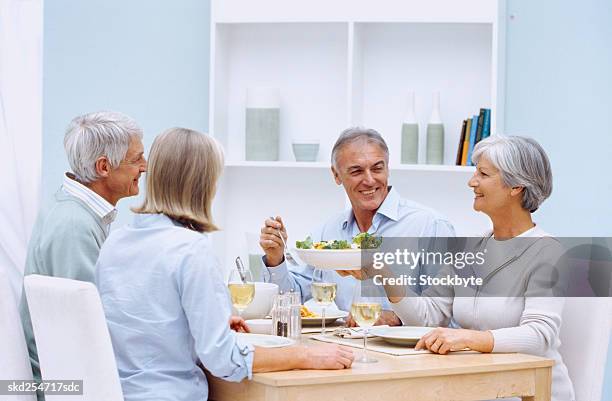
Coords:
pixel 288 257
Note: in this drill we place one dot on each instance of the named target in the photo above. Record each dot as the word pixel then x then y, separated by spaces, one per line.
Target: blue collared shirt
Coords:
pixel 396 217
pixel 167 307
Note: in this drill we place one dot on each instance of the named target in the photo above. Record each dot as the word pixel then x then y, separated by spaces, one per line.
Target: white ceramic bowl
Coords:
pixel 305 152
pixel 333 259
pixel 262 302
pixel 260 326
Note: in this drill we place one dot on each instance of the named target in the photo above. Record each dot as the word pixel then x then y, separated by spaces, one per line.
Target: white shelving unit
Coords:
pixel 339 64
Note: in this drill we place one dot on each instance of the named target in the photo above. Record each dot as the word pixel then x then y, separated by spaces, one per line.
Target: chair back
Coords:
pixel 585 338
pixel 14 358
pixel 72 336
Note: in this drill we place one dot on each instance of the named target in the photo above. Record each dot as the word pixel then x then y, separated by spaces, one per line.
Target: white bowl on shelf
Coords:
pixel 305 150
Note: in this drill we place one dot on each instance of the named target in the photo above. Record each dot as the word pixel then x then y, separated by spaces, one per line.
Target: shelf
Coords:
pixel 341 64
pixel 237 11
pixel 397 58
pixel 281 164
pixel 324 165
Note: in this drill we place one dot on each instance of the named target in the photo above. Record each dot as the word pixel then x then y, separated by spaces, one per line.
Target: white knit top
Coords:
pixel 519 324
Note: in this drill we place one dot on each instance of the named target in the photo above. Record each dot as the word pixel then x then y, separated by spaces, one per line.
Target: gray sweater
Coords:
pixel 65 242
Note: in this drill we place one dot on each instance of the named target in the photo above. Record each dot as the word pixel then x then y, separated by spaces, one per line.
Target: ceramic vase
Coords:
pixel 435 134
pixel 262 128
pixel 410 135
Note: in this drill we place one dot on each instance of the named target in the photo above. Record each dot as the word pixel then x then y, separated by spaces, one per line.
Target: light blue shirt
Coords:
pixel 167 307
pixel 396 217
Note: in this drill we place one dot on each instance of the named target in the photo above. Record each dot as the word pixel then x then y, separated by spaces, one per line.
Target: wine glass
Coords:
pixel 323 292
pixel 365 311
pixel 241 291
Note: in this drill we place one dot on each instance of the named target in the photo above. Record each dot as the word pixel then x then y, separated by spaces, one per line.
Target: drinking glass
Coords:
pixel 323 292
pixel 365 311
pixel 241 292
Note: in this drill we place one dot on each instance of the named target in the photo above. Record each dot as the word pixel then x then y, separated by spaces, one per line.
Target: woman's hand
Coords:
pixel 327 356
pixel 443 340
pixel 238 324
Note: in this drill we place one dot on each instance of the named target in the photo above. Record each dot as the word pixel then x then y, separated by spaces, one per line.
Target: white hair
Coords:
pixel 354 134
pixel 521 162
pixel 93 135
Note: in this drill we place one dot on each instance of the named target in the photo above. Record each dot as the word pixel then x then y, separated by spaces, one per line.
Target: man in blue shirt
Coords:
pixel 360 163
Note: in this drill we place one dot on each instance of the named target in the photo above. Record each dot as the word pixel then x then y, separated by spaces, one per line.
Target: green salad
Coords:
pixel 360 241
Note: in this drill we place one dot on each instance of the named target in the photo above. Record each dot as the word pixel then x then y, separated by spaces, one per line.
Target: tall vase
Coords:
pixel 435 134
pixel 262 128
pixel 410 135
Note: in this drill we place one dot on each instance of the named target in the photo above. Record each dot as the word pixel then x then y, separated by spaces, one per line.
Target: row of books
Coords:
pixel 473 130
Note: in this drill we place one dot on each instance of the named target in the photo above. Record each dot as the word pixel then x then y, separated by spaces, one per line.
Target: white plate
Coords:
pixel 265 340
pixel 332 259
pixel 401 335
pixel 330 317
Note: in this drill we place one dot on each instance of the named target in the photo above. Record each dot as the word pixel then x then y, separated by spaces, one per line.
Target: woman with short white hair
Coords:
pixel 513 309
pixel 162 288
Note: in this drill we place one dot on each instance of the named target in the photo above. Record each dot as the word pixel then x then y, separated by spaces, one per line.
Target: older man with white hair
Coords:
pixel 106 155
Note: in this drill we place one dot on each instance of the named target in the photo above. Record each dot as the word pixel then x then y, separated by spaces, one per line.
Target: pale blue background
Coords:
pixel 149 59
pixel 559 90
pixel 146 58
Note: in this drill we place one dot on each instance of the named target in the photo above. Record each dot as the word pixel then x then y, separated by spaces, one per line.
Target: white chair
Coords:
pixel 14 359
pixel 72 336
pixel 585 337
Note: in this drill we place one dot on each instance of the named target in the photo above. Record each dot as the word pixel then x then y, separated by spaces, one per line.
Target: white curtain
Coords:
pixel 21 32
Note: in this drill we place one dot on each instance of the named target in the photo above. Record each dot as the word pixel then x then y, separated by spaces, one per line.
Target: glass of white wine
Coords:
pixel 242 290
pixel 323 292
pixel 365 311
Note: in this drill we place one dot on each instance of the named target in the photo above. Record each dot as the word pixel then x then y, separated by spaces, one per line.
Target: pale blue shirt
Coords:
pixel 167 307
pixel 396 217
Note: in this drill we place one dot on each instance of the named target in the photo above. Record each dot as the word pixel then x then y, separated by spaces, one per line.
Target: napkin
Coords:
pixel 353 332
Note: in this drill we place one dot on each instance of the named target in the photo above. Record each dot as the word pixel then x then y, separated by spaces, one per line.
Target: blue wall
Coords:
pixel 146 58
pixel 559 90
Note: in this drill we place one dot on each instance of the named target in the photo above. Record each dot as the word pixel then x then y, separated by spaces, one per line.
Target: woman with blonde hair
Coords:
pixel 162 289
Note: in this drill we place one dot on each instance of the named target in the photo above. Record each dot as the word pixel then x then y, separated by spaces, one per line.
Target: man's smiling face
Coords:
pixel 362 168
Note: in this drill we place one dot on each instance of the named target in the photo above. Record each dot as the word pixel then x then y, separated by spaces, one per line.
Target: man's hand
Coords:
pixel 238 324
pixel 270 241
pixel 387 317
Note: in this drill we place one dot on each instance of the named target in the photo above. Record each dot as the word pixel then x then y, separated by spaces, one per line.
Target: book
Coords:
pixel 466 142
pixel 472 140
pixel 479 129
pixel 460 147
pixel 486 125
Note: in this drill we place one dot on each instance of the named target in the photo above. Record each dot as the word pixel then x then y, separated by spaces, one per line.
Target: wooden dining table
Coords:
pixel 423 377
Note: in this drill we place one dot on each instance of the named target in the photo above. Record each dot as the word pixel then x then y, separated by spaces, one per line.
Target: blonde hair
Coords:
pixel 184 166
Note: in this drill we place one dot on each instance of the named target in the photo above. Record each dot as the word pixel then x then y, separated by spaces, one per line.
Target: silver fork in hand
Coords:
pixel 288 257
